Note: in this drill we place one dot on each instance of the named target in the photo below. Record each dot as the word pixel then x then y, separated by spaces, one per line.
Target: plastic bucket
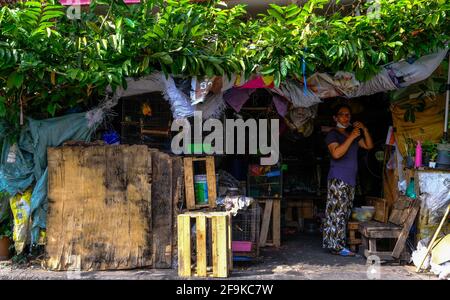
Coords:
pixel 201 189
pixel 443 158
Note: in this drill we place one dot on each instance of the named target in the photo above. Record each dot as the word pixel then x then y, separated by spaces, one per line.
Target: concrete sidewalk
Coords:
pixel 301 257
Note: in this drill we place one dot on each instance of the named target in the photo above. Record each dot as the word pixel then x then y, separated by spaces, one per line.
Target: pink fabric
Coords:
pixel 280 104
pixel 236 97
pixel 257 83
pixel 87 2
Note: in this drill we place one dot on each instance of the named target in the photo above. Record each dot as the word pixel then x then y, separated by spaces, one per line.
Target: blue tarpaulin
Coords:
pixel 24 163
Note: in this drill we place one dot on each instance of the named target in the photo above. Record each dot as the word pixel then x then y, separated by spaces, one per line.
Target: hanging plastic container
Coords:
pixel 443 157
pixel 201 189
pixel 418 160
pixel 410 191
pixel 111 137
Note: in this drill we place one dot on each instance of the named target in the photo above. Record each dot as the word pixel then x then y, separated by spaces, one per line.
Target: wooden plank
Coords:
pixel 373 225
pixel 222 248
pixel 276 223
pixel 385 234
pixel 265 222
pixel 198 158
pixel 189 183
pixel 211 180
pixel 214 252
pixel 364 243
pixel 184 245
pixel 200 227
pixel 229 239
pixel 372 245
pixel 126 179
pixel 177 193
pixel 352 225
pixel 162 209
pixel 405 231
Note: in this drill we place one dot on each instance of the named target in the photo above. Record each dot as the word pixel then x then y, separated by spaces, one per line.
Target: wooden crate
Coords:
pixel 354 238
pixel 381 208
pixel 189 182
pixel 219 248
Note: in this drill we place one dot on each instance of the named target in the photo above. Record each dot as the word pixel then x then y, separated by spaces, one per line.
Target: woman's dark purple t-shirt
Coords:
pixel 346 167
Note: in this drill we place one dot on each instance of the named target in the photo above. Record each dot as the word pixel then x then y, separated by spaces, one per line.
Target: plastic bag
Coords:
pixel 418 255
pixel 21 208
pixel 435 193
pixel 200 87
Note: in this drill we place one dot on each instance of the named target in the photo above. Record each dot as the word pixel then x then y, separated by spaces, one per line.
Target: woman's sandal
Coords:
pixel 343 252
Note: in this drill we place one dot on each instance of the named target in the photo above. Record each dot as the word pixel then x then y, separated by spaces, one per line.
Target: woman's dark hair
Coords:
pixel 339 107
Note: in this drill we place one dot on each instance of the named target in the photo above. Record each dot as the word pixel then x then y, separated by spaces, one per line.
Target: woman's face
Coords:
pixel 343 116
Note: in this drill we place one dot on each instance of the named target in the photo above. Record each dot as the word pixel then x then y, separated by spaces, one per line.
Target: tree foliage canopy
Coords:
pixel 49 62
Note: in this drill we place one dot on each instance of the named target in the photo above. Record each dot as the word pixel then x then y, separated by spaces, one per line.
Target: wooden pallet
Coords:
pixel 189 182
pixel 220 251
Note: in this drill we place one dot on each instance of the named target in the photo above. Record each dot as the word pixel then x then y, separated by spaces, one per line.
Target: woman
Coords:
pixel 343 143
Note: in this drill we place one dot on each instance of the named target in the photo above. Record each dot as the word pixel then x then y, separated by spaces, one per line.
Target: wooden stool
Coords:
pixel 219 224
pixel 353 240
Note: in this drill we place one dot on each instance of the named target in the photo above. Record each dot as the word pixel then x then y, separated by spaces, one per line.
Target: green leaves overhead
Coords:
pixel 50 62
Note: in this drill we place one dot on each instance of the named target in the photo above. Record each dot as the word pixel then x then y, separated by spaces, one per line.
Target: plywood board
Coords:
pixel 99 204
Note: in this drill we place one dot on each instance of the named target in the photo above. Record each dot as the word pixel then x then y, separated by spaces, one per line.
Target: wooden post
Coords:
pixel 265 222
pixel 276 223
pixel 211 181
pixel 189 182
pixel 229 238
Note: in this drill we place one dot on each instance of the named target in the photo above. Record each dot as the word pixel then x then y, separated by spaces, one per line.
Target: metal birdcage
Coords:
pixel 245 231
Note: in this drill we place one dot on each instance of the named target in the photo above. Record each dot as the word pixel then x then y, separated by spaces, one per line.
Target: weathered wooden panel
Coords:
pixel 162 202
pixel 98 208
pixel 178 198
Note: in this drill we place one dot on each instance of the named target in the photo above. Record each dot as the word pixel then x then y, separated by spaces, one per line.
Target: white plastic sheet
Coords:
pixel 435 193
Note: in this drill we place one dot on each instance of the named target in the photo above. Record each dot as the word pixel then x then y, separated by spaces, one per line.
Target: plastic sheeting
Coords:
pixel 379 83
pixel 435 193
pixel 24 163
pixel 429 124
pixel 157 82
pixel 214 103
pixel 294 91
pixel 419 70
